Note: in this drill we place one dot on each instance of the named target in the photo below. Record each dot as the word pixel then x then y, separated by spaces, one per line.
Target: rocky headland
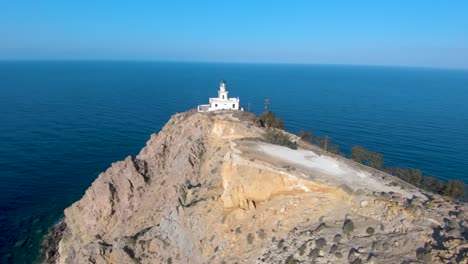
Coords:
pixel 209 189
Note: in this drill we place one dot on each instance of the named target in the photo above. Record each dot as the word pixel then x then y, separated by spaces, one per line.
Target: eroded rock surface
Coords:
pixel 206 189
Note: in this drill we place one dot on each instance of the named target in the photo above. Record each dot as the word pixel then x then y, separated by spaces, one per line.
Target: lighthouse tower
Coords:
pixel 222 102
pixel 222 92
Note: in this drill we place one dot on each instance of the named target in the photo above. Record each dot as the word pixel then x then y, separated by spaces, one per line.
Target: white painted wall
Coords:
pixel 222 102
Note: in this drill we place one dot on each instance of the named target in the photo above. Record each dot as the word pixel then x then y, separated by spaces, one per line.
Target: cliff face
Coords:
pixel 206 189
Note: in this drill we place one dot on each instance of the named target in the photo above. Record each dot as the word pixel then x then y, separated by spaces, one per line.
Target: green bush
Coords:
pixel 291 260
pixel 366 157
pixel 302 249
pixel 412 176
pixel 320 243
pixel 262 233
pixel 431 184
pixel 348 226
pixel 454 188
pixel 278 138
pixel 337 238
pixel 370 230
pixel 250 238
pixel 325 143
pixel 314 253
pixel 270 120
pixel 306 136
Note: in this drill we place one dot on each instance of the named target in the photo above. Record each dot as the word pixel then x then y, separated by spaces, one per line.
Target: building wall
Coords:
pixel 220 104
pixel 223 95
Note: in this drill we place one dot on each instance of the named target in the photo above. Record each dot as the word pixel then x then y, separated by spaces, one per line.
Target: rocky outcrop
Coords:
pixel 206 190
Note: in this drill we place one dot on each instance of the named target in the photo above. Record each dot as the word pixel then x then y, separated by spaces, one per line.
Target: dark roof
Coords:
pixel 223 81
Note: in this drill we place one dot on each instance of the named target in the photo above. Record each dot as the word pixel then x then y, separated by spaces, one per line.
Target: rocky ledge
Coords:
pixel 208 189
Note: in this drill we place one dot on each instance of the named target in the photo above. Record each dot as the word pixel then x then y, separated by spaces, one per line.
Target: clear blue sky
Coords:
pixel 409 33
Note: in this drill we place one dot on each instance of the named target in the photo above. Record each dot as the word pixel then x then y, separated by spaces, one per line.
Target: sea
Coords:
pixel 64 122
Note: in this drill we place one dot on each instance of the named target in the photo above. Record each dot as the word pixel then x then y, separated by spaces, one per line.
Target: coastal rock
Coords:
pixel 208 189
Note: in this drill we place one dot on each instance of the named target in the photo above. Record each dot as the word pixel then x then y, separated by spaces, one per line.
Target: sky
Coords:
pixel 426 33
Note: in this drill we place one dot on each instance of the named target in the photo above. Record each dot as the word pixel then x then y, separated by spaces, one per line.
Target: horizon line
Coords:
pixel 230 62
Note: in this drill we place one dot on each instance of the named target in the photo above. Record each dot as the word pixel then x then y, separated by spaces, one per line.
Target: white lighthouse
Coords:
pixel 222 102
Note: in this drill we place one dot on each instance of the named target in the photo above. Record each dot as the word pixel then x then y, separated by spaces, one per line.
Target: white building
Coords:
pixel 222 102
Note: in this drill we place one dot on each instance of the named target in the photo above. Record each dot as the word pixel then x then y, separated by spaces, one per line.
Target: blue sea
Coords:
pixel 62 123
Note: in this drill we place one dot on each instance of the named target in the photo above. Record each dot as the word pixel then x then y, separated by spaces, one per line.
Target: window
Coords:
pixel 223 96
pixel 216 105
pixel 233 105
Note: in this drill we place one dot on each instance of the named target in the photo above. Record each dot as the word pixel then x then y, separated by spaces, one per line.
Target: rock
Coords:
pixel 20 243
pixel 361 250
pixel 359 192
pixel 386 246
pixel 371 259
pixel 452 223
pixel 321 227
pixel 205 190
pixel 353 255
pixel 417 212
pixel 424 255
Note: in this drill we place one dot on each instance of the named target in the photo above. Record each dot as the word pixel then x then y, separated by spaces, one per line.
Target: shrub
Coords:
pixel 337 238
pixel 278 138
pixel 366 157
pixel 270 120
pixel 325 143
pixel 314 253
pixel 291 260
pixel 431 184
pixel 302 249
pixel 333 248
pixel 412 176
pixel 250 238
pixel 306 136
pixel 281 243
pixel 321 242
pixel 262 233
pixel 348 226
pixel 370 230
pixel 454 188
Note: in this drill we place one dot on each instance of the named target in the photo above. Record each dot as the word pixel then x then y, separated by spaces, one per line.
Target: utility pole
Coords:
pixel 267 102
pixel 249 106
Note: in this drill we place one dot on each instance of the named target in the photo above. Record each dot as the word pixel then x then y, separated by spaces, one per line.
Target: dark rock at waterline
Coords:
pixel 49 247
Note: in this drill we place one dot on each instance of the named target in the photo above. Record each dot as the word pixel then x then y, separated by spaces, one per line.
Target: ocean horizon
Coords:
pixel 64 122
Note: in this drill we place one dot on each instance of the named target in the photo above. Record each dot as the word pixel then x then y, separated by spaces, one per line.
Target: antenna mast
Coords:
pixel 267 103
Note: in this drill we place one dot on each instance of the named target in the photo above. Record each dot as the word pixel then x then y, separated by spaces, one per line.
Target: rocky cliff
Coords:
pixel 208 189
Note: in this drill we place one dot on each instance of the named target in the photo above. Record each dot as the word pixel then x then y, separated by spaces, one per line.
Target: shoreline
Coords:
pixel 48 252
